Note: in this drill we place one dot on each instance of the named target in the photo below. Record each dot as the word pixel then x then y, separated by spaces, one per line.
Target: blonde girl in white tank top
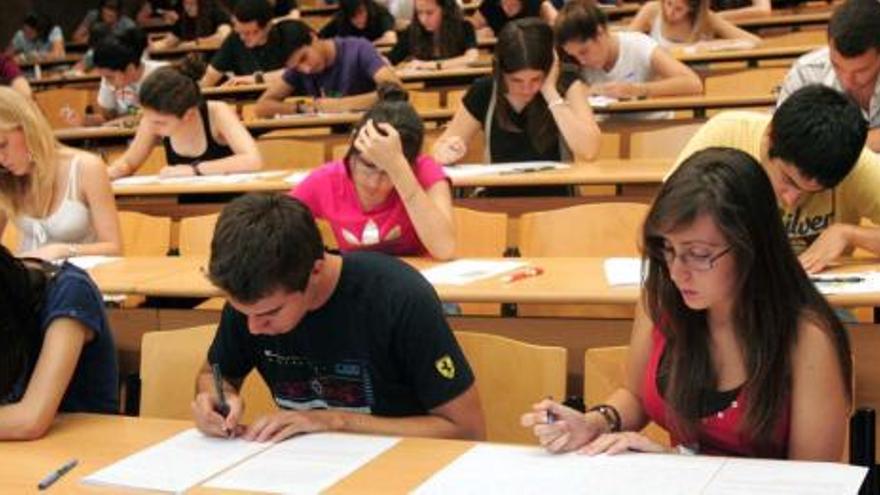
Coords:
pixel 58 197
pixel 673 23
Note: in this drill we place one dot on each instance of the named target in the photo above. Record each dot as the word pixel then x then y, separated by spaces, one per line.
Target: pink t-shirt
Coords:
pixel 330 194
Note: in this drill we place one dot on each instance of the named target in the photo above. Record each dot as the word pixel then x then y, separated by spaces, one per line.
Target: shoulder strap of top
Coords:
pixel 487 124
pixel 73 179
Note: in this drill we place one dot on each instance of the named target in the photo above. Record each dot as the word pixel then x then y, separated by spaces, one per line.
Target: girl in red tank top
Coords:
pixel 733 350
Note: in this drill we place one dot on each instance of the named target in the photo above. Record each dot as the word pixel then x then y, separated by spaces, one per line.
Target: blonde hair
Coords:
pixel 30 193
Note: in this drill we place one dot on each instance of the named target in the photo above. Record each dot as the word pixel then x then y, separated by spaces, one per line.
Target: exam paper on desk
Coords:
pixel 830 283
pixel 176 464
pixel 476 169
pixel 305 464
pixel 142 180
pixel 465 271
pixel 623 271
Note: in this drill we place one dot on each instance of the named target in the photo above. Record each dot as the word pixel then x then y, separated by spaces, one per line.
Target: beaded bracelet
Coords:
pixel 611 415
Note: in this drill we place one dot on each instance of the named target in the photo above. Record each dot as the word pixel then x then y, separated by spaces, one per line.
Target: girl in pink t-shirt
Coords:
pixel 733 349
pixel 383 196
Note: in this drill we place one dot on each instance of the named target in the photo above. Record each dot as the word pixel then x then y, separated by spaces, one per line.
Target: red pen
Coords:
pixel 531 271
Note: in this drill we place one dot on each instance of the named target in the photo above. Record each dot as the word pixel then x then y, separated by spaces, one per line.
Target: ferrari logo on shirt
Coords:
pixel 446 367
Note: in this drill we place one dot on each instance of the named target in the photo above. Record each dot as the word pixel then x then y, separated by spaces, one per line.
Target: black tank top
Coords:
pixel 213 151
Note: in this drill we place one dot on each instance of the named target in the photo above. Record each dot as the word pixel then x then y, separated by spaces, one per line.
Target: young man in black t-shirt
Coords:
pixel 353 343
pixel 255 52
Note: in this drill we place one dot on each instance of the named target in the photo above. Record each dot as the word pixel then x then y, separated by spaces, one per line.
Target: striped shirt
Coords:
pixel 815 68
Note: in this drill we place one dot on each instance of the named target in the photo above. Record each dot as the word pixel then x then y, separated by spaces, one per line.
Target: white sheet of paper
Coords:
pixel 760 477
pixel 176 464
pixel 140 180
pixel 623 271
pixel 601 101
pixel 297 177
pixel 465 271
pixel 490 468
pixel 89 262
pixel 305 464
pixel 846 283
pixel 476 169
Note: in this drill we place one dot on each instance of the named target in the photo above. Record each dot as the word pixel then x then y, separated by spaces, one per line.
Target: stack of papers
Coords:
pixel 463 272
pixel 600 101
pixel 623 271
pixel 474 169
pixel 89 262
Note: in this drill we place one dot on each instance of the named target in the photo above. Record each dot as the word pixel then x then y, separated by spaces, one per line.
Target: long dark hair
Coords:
pixel 21 297
pixel 525 44
pixel 393 108
pixel 447 42
pixel 773 293
pixel 202 24
pixel 172 90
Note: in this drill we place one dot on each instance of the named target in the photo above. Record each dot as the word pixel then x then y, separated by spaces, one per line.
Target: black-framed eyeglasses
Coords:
pixel 691 261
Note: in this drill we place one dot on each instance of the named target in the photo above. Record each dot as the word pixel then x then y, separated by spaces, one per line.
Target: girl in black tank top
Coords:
pixel 172 106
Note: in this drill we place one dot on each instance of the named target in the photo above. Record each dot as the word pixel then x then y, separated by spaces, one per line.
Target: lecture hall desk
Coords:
pixel 100 440
pixel 634 179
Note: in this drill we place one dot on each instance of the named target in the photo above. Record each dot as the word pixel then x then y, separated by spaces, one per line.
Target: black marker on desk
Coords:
pixel 222 407
pixel 54 476
pixel 526 170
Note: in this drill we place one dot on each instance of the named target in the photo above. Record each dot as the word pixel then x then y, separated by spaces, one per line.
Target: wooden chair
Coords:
pixel 597 229
pixel 661 142
pixel 605 372
pixel 291 153
pixel 144 235
pixel 479 234
pixel 56 103
pixel 196 233
pixel 170 361
pixel 425 100
pixel 511 376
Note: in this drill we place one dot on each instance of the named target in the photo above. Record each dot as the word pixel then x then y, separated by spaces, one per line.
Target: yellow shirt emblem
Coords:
pixel 446 367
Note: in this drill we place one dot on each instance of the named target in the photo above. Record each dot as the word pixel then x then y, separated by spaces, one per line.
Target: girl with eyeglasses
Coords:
pixel 385 196
pixel 733 350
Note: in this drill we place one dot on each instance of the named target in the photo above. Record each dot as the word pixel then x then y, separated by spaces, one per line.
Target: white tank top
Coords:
pixel 71 223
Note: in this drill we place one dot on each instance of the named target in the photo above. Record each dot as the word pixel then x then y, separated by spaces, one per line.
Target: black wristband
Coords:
pixel 195 167
pixel 258 77
pixel 611 415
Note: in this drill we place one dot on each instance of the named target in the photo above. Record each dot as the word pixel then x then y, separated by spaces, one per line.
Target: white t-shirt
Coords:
pixel 633 60
pixel 633 65
pixel 122 100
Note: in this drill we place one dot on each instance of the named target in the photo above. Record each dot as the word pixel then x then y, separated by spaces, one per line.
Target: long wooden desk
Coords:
pixel 633 179
pixel 564 281
pixel 698 105
pixel 97 441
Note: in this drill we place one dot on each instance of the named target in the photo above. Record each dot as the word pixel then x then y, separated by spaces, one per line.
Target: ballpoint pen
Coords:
pixel 54 476
pixel 222 407
pixel 530 271
pixel 837 280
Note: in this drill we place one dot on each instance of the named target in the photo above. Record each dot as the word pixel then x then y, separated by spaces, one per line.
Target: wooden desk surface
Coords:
pixel 70 58
pixel 564 281
pixel 602 172
pixel 97 441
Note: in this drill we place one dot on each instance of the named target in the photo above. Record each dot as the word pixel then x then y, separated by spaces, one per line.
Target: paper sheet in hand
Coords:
pixel 623 271
pixel 176 464
pixel 845 283
pixel 304 464
pixel 463 272
pixel 489 468
pixel 475 169
pixel 758 477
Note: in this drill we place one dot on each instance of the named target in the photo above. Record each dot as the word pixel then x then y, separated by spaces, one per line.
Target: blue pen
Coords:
pixel 222 406
pixel 54 476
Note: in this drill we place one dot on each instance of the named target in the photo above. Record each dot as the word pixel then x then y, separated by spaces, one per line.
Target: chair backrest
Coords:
pixel 144 235
pixel 56 103
pixel 196 233
pixel 170 361
pixel 291 153
pixel 598 229
pixel 511 376
pixel 479 233
pixel 605 372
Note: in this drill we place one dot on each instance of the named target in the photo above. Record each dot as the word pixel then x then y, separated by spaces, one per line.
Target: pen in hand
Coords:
pixel 54 476
pixel 551 416
pixel 837 280
pixel 222 407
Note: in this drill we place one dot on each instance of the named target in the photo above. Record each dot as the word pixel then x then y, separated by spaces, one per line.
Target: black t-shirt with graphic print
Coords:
pixel 379 345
